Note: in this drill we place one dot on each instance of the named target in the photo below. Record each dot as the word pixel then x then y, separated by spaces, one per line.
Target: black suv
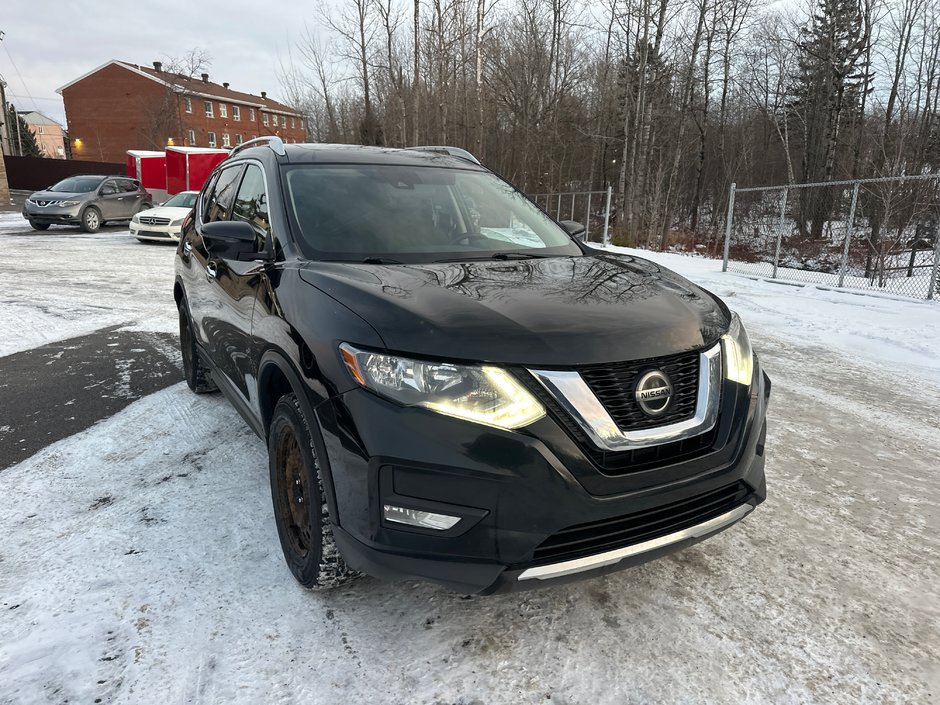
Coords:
pixel 451 385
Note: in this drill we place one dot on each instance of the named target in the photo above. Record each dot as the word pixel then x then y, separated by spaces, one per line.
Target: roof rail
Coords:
pixel 452 151
pixel 275 143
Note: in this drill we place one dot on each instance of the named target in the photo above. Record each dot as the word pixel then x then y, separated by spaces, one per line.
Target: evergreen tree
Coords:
pixel 826 90
pixel 20 133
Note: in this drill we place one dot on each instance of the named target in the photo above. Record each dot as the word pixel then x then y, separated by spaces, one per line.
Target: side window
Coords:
pixel 251 203
pixel 128 186
pixel 220 204
pixel 207 195
pixel 110 188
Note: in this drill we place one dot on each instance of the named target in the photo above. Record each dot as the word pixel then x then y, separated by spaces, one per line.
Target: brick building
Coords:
pixel 121 106
pixel 48 133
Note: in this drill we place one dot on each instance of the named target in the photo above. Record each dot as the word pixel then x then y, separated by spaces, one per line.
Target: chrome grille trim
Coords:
pixel 576 398
pixel 578 565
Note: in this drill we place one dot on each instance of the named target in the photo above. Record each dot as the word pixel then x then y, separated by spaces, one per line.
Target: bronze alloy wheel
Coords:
pixel 300 509
pixel 293 506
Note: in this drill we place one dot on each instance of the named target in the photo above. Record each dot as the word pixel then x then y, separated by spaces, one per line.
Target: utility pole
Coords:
pixel 19 137
pixel 5 196
pixel 4 146
pixel 4 130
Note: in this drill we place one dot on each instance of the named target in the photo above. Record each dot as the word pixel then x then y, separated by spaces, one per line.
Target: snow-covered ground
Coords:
pixel 139 562
pixel 62 283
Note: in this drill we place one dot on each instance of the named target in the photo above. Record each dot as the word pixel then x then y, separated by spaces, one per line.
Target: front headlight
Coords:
pixel 483 394
pixel 68 204
pixel 176 223
pixel 739 358
pixel 135 218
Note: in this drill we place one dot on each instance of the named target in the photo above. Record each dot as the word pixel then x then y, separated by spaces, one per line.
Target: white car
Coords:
pixel 164 222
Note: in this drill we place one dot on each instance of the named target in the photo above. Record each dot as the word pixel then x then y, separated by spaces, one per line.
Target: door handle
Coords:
pixel 211 270
pixel 187 247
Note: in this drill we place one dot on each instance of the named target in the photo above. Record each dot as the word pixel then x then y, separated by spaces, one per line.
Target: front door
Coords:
pixel 222 298
pixel 111 200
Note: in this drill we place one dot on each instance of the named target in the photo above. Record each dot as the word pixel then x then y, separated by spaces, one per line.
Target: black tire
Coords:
pixel 300 508
pixel 195 372
pixel 91 220
pixel 38 226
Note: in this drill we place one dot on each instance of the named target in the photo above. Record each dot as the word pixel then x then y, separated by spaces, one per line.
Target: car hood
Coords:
pixel 60 196
pixel 551 312
pixel 171 212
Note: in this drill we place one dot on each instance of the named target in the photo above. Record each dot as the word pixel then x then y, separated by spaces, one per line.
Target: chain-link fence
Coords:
pixel 881 234
pixel 591 208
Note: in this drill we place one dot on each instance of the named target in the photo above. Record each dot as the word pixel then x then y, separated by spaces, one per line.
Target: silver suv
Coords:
pixel 88 201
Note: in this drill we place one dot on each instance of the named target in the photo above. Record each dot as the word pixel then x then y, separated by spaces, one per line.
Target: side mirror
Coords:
pixel 232 240
pixel 574 229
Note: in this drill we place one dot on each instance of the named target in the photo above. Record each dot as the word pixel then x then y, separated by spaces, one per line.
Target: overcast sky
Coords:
pixel 46 45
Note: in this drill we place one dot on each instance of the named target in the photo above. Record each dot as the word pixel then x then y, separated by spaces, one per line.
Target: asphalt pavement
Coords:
pixel 57 390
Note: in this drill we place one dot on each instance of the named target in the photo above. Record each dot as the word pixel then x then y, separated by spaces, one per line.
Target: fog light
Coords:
pixel 414 517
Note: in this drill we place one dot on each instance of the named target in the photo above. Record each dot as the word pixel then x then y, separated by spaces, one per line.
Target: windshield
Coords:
pixel 182 200
pixel 78 184
pixel 416 214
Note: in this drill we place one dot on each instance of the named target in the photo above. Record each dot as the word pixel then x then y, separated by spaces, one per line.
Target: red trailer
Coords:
pixel 150 169
pixel 187 168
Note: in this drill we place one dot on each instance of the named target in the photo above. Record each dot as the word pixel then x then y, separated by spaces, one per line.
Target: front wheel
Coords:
pixel 197 375
pixel 38 226
pixel 91 220
pixel 300 508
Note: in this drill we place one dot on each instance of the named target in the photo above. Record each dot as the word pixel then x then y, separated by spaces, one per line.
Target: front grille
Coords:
pixel 609 534
pixel 615 385
pixel 623 461
pixel 151 220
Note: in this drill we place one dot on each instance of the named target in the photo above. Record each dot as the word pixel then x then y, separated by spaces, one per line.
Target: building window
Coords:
pixel 264 118
pixel 209 112
pixel 192 138
pixel 226 142
pixel 212 139
pixel 251 114
pixel 188 102
pixel 283 122
pixel 236 113
pixel 40 129
pixel 238 139
pixel 223 110
pixel 293 123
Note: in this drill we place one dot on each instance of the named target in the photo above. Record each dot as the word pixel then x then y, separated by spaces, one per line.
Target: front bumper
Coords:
pixel 156 233
pixel 535 508
pixel 51 215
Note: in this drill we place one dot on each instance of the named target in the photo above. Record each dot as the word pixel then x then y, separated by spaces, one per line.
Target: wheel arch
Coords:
pixel 277 377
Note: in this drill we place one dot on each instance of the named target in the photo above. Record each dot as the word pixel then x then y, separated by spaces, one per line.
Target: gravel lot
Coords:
pixel 140 561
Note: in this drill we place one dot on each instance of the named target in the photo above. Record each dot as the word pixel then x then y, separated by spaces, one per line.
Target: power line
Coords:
pixel 15 68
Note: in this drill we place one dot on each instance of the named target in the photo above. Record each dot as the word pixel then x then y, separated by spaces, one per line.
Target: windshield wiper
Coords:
pixel 518 255
pixel 496 255
pixel 381 260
